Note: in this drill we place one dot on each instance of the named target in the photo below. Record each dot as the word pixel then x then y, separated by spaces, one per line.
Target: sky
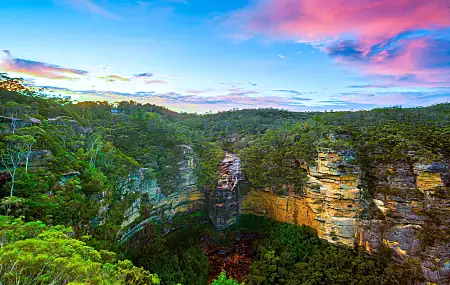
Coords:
pixel 213 55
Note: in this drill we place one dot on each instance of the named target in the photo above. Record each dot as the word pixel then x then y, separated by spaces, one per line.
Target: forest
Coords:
pixel 65 186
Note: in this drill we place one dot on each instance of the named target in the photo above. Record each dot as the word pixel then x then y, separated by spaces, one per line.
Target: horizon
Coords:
pixel 196 57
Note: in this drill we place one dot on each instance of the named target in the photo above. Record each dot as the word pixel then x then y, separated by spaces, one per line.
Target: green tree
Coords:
pixel 223 280
pixel 16 149
pixel 31 253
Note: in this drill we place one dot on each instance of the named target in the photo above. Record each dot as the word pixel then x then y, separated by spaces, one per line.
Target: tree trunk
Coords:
pixel 26 163
pixel 13 125
pixel 12 183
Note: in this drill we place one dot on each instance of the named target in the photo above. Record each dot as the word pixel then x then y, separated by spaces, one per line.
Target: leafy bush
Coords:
pixel 32 253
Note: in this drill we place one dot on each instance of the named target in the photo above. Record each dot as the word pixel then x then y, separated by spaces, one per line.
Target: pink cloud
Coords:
pixel 317 19
pixel 397 38
pixel 38 69
pixel 383 100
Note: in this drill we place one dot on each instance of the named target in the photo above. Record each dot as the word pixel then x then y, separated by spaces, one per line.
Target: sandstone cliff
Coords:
pixel 405 207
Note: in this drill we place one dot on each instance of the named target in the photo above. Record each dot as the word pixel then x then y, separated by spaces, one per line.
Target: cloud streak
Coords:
pixel 144 75
pixel 90 7
pixel 156 82
pixel 38 69
pixel 114 78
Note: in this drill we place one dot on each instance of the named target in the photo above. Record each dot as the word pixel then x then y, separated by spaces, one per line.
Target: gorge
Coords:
pixel 260 194
pixel 335 205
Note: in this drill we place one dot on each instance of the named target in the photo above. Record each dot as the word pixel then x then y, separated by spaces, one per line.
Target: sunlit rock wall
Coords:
pixel 330 203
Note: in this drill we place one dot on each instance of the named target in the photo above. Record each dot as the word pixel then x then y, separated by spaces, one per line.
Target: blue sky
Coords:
pixel 201 56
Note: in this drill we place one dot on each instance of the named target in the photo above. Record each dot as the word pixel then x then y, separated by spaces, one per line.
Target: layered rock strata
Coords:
pixel 330 203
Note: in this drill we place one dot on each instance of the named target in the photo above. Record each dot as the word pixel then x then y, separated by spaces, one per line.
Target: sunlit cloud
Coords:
pixel 38 69
pixel 312 20
pixel 384 37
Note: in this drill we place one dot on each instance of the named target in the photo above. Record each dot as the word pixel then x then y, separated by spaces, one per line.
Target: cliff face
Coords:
pixel 330 203
pixel 407 208
pixel 413 215
pixel 154 206
pixel 223 202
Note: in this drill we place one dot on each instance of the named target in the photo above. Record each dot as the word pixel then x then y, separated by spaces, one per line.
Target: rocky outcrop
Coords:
pixel 223 202
pixel 10 123
pixel 402 206
pixel 73 124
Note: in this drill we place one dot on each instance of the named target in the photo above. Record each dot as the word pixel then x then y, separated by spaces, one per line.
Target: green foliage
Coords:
pixel 210 154
pixel 85 154
pixel 271 162
pixel 223 280
pixel 290 254
pixel 35 254
pixel 176 258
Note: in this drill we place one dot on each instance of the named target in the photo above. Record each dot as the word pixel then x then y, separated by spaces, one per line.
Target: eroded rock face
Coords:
pixel 406 209
pixel 153 205
pixel 223 202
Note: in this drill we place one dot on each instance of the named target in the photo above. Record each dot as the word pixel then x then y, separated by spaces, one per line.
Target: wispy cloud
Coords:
pixel 38 69
pixel 144 4
pixel 231 83
pixel 91 7
pixel 198 92
pixel 297 94
pixel 241 92
pixel 177 1
pixel 113 78
pixel 281 56
pixel 156 82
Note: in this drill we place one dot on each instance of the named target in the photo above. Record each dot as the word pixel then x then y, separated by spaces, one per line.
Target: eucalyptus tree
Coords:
pixel 16 149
